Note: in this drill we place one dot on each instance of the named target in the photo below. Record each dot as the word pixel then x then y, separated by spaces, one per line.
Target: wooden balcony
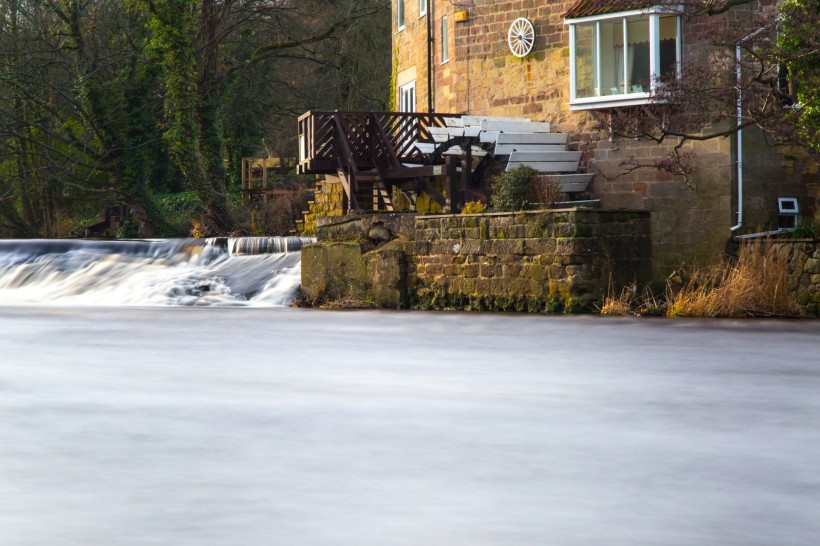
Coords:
pixel 385 141
pixel 371 152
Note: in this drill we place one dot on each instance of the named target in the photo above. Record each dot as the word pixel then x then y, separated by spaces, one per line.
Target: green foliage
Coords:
pixel 112 103
pixel 512 190
pixel 800 46
pixel 805 229
pixel 181 210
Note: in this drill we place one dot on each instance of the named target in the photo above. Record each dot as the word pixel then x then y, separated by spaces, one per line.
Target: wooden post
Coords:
pixel 265 173
pixel 451 168
pixel 466 175
pixel 244 179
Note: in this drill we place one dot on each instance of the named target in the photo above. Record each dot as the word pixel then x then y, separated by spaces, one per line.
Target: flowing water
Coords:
pixel 185 416
pixel 258 271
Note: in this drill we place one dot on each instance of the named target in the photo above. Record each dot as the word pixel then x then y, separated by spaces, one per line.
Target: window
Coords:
pixel 400 14
pixel 617 59
pixel 445 41
pixel 422 8
pixel 407 97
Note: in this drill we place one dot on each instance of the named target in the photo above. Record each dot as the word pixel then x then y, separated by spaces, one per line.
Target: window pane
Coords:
pixel 422 7
pixel 407 97
pixel 638 55
pixel 585 46
pixel 445 41
pixel 400 13
pixel 612 57
pixel 669 46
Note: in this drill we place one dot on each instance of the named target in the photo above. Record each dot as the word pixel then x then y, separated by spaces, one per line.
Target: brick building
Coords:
pixel 456 57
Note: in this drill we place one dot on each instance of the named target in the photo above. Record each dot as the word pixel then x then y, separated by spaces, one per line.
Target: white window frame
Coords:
pixel 423 7
pixel 445 40
pixel 400 14
pixel 624 99
pixel 407 97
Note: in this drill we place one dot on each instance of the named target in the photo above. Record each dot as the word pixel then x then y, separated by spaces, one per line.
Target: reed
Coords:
pixel 753 285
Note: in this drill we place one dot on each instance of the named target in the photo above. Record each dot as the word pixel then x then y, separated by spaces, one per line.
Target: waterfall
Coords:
pixel 242 271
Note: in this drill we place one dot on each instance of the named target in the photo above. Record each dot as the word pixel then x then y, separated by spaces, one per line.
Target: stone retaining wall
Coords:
pixel 562 260
pixel 551 261
pixel 804 269
pixel 328 200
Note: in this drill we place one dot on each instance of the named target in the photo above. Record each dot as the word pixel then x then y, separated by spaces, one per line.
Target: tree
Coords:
pixel 77 109
pixel 98 97
pixel 191 41
pixel 799 49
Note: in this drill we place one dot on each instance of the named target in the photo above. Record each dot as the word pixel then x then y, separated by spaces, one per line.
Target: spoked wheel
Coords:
pixel 521 37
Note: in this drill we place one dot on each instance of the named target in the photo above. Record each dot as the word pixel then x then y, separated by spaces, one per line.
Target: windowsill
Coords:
pixel 422 15
pixel 610 101
pixel 400 29
pixel 445 62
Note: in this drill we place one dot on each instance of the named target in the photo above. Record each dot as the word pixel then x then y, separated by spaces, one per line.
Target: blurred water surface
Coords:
pixel 235 426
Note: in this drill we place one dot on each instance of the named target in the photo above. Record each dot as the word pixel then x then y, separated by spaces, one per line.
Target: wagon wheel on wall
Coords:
pixel 521 37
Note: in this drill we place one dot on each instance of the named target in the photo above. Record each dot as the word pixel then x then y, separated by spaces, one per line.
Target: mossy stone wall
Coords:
pixel 804 272
pixel 549 261
pixel 328 201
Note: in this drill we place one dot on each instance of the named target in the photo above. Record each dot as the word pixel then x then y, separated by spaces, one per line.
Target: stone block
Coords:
pixel 539 247
pixel 333 271
pixel 386 276
pixel 511 271
pixel 503 247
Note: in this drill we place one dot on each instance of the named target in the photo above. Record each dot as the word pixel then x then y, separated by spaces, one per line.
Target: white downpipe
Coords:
pixel 739 144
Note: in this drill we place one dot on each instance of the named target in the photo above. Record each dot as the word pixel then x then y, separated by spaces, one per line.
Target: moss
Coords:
pixel 583 230
pixel 439 299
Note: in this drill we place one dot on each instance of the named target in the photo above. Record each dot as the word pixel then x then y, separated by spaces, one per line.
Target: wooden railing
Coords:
pixel 376 140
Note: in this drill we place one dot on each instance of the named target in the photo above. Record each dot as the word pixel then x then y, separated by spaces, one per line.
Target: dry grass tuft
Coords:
pixel 621 305
pixel 754 285
pixel 630 303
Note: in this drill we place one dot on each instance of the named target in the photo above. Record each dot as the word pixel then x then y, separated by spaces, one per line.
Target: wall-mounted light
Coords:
pixel 460 16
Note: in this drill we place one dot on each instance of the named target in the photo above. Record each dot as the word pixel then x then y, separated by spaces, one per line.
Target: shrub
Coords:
pixel 474 207
pixel 512 190
pixel 807 228
pixel 545 190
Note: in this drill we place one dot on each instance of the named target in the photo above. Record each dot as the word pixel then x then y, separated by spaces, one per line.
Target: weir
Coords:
pixel 224 271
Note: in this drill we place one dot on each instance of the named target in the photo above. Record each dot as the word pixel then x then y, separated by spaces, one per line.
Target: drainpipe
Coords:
pixel 739 144
pixel 430 108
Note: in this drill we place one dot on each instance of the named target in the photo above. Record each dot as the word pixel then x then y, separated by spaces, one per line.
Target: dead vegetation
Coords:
pixel 754 284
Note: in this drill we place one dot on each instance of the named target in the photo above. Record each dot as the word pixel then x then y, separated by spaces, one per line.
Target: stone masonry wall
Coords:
pixel 561 260
pixel 328 201
pixel 804 269
pixel 551 261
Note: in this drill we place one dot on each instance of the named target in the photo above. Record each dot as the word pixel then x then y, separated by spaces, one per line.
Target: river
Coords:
pixel 233 425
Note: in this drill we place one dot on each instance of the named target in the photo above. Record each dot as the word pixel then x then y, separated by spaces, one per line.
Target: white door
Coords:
pixel 407 97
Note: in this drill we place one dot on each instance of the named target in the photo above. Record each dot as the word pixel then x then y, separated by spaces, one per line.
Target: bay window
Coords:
pixel 618 59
